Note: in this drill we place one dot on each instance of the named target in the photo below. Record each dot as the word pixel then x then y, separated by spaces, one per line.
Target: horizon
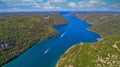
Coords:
pixel 56 11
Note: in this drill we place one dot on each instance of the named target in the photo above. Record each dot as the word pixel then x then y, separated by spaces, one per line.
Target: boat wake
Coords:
pixel 63 34
pixel 46 51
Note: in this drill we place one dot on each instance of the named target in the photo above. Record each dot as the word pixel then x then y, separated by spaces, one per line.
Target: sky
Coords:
pixel 59 5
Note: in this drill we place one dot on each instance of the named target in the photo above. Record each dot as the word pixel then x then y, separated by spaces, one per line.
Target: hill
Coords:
pixel 20 31
pixel 105 53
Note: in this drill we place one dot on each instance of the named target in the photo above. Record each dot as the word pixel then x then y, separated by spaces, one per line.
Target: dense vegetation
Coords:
pixel 105 53
pixel 105 24
pixel 18 32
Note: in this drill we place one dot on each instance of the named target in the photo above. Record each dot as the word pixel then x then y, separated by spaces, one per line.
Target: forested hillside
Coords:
pixel 18 32
pixel 105 53
pixel 105 23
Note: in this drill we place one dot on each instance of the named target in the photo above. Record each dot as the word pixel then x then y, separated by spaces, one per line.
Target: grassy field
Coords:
pixel 18 32
pixel 105 53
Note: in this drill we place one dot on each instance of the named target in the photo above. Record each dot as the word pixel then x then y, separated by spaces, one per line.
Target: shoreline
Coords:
pixel 32 46
pixel 24 51
pixel 89 29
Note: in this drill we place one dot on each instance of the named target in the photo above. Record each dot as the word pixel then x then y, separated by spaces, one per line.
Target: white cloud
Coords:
pixel 72 4
pixel 95 2
pixel 51 7
pixel 5 0
pixel 37 6
pixel 27 0
pixel 15 8
pixel 58 4
pixel 30 1
pixel 58 1
pixel 115 6
pixel 87 4
pixel 48 5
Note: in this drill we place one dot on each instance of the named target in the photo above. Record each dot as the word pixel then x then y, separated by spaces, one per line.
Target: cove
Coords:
pixel 48 52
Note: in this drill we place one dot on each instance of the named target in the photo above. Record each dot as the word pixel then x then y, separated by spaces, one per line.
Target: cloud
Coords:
pixel 58 1
pixel 91 3
pixel 27 0
pixel 48 5
pixel 72 4
pixel 87 4
pixel 51 7
pixel 29 4
pixel 37 6
pixel 116 6
pixel 58 4
pixel 95 2
pixel 5 0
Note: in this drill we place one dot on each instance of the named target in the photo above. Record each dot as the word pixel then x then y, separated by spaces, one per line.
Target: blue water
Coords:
pixel 48 52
